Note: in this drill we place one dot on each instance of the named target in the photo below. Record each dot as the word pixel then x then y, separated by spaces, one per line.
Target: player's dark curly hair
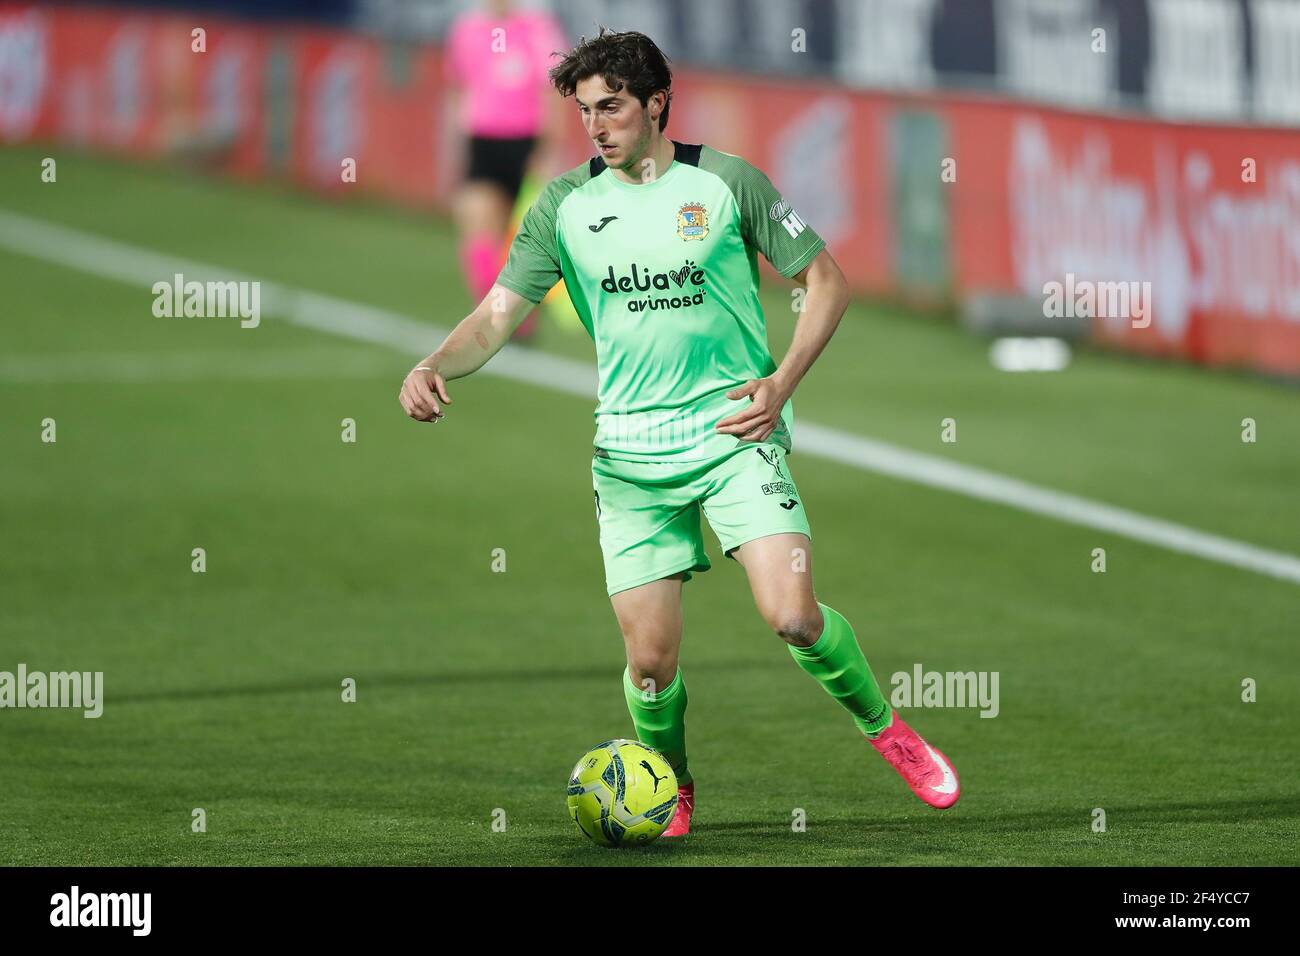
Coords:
pixel 628 59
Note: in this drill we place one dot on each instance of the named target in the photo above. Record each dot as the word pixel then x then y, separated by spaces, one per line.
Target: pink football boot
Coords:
pixel 925 769
pixel 681 822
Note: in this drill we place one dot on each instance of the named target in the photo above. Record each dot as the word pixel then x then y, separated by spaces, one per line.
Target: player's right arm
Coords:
pixel 478 337
pixel 531 269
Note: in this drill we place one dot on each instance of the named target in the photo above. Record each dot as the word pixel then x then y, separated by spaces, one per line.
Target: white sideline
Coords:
pixel 149 368
pixel 122 262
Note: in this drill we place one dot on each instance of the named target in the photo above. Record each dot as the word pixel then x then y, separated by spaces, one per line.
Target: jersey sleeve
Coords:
pixel 533 263
pixel 768 223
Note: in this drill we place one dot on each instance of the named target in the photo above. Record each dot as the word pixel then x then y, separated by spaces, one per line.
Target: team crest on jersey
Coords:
pixel 693 221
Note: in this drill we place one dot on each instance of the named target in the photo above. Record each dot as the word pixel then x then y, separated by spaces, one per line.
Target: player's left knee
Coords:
pixel 800 628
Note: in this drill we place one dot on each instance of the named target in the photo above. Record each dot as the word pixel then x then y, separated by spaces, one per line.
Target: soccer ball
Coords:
pixel 622 793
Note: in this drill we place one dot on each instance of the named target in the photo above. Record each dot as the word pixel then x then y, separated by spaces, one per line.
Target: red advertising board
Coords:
pixel 1197 226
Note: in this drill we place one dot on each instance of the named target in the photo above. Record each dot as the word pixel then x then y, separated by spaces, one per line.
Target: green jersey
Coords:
pixel 664 276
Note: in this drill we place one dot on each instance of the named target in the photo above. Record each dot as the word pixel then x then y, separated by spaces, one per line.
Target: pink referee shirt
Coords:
pixel 503 87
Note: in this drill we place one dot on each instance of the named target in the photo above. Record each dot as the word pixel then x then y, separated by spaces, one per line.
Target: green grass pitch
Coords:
pixel 478 690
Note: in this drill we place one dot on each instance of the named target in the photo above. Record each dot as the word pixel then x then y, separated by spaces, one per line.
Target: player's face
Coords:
pixel 616 122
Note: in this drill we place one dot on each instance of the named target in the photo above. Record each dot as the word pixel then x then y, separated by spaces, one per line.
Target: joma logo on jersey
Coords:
pixel 693 221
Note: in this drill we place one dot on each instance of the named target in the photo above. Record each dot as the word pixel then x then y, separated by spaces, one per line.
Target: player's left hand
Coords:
pixel 759 420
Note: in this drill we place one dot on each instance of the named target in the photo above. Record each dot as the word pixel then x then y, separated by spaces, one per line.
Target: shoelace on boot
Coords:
pixel 915 767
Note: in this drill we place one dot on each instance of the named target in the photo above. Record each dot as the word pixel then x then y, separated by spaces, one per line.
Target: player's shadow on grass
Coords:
pixel 884 840
pixel 330 684
pixel 1017 821
pixel 1121 815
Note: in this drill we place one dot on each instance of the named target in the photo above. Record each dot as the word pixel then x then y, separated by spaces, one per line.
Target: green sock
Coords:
pixel 837 663
pixel 661 721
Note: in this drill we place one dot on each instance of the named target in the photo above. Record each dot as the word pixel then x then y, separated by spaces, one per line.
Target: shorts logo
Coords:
pixel 693 221
pixel 773 458
pixel 782 486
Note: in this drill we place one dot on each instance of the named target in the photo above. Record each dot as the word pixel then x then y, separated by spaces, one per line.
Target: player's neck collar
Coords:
pixel 688 153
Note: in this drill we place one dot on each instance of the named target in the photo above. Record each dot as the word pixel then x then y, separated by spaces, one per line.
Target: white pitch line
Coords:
pixel 134 265
pixel 149 368
pixel 976 482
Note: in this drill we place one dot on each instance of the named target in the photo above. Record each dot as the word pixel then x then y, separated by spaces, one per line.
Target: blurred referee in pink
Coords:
pixel 496 69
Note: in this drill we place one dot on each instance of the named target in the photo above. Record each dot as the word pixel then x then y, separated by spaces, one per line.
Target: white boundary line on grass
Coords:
pixel 130 264
pixel 148 368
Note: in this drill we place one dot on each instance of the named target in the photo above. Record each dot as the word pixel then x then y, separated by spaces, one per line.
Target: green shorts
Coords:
pixel 649 512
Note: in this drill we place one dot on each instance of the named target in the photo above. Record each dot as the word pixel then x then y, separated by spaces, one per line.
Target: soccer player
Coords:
pixel 657 241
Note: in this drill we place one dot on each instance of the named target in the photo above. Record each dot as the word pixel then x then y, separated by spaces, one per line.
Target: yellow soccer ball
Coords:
pixel 622 793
